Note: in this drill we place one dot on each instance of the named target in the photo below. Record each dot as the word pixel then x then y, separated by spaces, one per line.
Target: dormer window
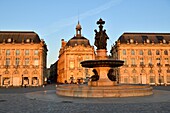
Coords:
pixel 27 40
pixel 164 41
pixel 9 40
pixel 131 41
pixel 147 41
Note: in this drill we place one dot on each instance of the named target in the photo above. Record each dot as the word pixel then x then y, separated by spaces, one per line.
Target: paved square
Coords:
pixel 44 100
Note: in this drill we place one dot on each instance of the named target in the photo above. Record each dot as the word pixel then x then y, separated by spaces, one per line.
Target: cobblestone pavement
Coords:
pixel 44 100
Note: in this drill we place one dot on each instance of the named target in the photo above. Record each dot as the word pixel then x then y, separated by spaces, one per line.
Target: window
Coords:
pixel 7 61
pixel 26 52
pixel 165 52
pixel 149 52
pixel 26 61
pixel 17 52
pixel 140 52
pixel 35 52
pixel 71 64
pixel 28 40
pixel 124 52
pixel 132 52
pixel 157 52
pixel 125 71
pixel 150 61
pixel 9 40
pixel 79 65
pixel 134 71
pixel 158 61
pixel 168 79
pixel 87 57
pixel 7 52
pixel 150 71
pixel 17 60
pixel 133 61
pixel 36 61
pixel 164 41
pixel 125 61
pixel 152 79
pixel 141 61
pixel 147 41
pixel 166 61
pixel 131 41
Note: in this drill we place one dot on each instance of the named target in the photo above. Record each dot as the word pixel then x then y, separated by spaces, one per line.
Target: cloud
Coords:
pixel 54 27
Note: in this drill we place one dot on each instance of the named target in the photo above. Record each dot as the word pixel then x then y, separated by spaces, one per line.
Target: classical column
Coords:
pixel 30 81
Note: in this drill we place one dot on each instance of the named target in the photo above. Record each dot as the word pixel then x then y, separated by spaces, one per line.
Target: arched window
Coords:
pixel 124 52
pixel 125 71
pixel 165 52
pixel 141 52
pixel 149 52
pixel 133 71
pixel 157 52
pixel 132 52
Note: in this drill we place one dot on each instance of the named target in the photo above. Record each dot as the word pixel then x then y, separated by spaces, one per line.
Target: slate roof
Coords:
pixel 78 40
pixel 19 36
pixel 144 37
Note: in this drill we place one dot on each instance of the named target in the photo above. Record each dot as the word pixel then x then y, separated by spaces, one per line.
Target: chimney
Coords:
pixel 63 43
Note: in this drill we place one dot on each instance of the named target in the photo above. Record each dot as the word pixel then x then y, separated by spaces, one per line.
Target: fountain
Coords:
pixel 103 83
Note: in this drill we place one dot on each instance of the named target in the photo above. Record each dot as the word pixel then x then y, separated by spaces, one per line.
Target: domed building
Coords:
pixel 71 54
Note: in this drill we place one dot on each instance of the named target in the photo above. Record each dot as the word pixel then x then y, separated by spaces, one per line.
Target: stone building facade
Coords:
pixel 71 54
pixel 146 58
pixel 22 58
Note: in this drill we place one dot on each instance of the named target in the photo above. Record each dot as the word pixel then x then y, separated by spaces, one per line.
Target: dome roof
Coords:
pixel 78 41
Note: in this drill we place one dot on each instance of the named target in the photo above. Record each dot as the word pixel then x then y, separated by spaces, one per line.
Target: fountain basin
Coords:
pixel 109 91
pixel 102 63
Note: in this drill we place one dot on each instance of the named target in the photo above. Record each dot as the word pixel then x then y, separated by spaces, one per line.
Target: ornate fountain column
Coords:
pixel 101 44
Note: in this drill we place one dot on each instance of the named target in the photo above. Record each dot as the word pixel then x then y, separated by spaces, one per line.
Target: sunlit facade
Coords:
pixel 146 58
pixel 71 54
pixel 22 59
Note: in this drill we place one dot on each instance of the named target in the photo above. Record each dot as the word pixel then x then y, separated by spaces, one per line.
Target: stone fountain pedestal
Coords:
pixel 102 71
pixel 103 79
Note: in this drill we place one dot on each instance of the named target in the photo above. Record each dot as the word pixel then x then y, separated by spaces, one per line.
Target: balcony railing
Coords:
pixel 35 66
pixel 125 65
pixel 142 65
pixel 167 65
pixel 6 66
pixel 133 65
pixel 150 65
pixel 25 66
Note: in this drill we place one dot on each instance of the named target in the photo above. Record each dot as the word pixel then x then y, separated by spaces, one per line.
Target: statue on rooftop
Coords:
pixel 101 36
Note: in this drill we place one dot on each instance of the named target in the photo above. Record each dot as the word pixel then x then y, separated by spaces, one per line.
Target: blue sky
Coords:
pixel 54 20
